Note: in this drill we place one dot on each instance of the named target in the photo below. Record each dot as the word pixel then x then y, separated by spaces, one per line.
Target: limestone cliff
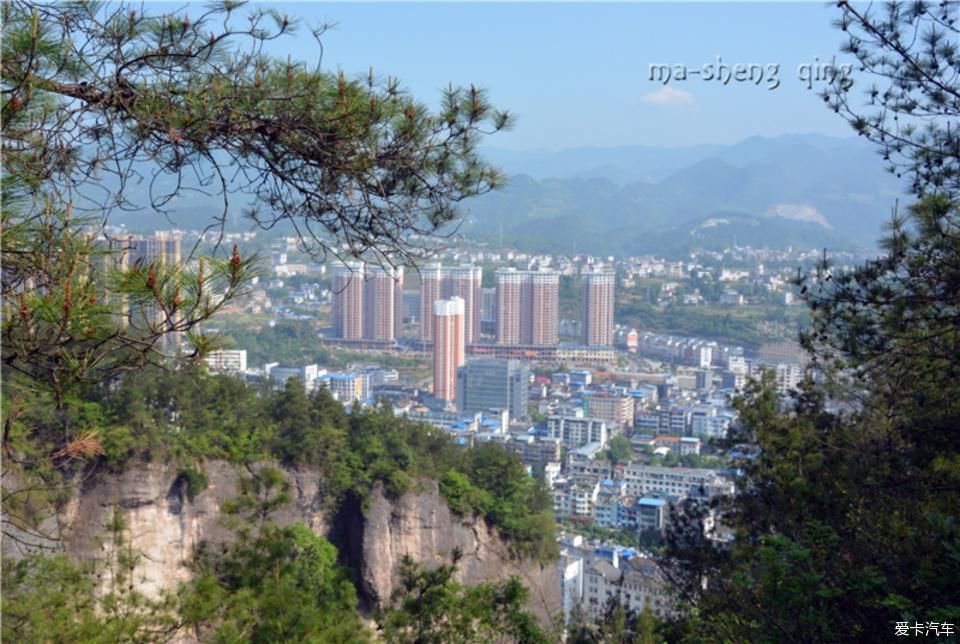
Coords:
pixel 164 526
pixel 421 525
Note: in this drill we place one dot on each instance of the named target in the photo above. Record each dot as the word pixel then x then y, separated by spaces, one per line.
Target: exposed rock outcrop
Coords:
pixel 165 526
pixel 421 525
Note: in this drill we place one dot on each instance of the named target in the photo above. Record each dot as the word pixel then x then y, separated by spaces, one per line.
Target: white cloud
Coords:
pixel 668 96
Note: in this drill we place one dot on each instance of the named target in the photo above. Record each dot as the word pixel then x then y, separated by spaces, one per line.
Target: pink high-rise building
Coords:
pixel 398 303
pixel 449 347
pixel 443 282
pixel 431 290
pixel 159 248
pixel 367 302
pixel 348 300
pixel 381 287
pixel 544 310
pixel 528 307
pixel 598 308
pixel 510 284
pixel 465 282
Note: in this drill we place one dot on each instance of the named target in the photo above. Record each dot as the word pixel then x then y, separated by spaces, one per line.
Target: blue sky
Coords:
pixel 578 74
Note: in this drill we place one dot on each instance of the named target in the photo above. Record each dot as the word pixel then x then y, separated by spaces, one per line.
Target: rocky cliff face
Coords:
pixel 164 526
pixel 421 525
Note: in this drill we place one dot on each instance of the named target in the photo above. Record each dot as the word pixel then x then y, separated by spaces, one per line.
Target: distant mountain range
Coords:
pixel 808 190
pixel 800 190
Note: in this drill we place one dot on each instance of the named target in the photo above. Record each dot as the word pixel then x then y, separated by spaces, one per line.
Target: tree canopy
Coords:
pixel 907 71
pixel 100 96
pixel 845 522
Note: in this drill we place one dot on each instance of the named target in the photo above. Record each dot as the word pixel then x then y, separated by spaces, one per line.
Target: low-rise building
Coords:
pixel 577 432
pixel 309 374
pixel 233 361
pixel 674 482
pixel 636 583
pixel 616 410
pixel 348 387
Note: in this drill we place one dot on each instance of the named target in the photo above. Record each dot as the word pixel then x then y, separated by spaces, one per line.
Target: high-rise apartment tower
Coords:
pixel 598 308
pixel 449 347
pixel 443 282
pixel 528 305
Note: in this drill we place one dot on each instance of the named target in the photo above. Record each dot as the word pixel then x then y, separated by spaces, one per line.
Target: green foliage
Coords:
pixel 834 527
pixel 460 495
pixel 749 326
pixel 620 449
pixel 911 104
pixel 295 342
pixel 617 625
pixel 260 494
pixel 75 313
pixel 281 585
pixel 495 485
pixel 191 416
pixel 196 94
pixel 431 607
pixel 195 481
pixel 624 537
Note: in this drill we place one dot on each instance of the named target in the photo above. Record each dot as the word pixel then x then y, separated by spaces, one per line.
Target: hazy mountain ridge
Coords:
pixel 820 190
pixel 823 191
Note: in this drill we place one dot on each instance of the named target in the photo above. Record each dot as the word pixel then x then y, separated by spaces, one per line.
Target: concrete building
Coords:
pixel 151 249
pixel 674 482
pixel 367 302
pixel 650 514
pixel 575 501
pixel 111 256
pixel 590 577
pixel 411 306
pixel 348 300
pixel 616 410
pixel 577 432
pixel 444 282
pixel 449 348
pixel 536 450
pixel 484 384
pixel 705 356
pixel 227 361
pixel 348 387
pixel 510 284
pixel 488 305
pixel 598 287
pixel 528 306
pixel 711 426
pixel 382 303
pixel 465 282
pixel 543 310
pixel 431 290
pixel 308 374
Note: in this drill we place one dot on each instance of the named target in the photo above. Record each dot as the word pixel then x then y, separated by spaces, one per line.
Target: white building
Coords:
pixel 349 387
pixel 227 361
pixel 308 374
pixel 577 432
pixel 551 472
pixel 590 579
pixel 678 482
pixel 575 500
